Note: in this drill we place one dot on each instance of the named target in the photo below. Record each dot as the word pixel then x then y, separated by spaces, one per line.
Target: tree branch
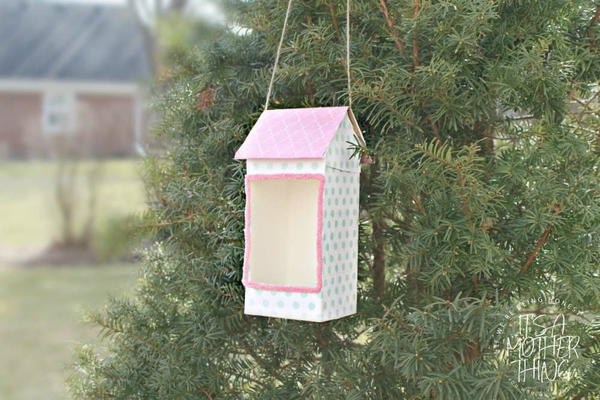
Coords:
pixel 538 246
pixel 391 108
pixel 261 361
pixel 418 203
pixel 593 21
pixel 205 392
pixel 463 196
pixel 379 257
pixel 436 130
pixel 390 23
pixel 334 20
pixel 378 240
pixel 415 41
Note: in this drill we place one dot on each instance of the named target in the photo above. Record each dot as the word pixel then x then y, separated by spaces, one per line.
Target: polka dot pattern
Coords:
pixel 298 166
pixel 339 151
pixel 340 244
pixel 340 237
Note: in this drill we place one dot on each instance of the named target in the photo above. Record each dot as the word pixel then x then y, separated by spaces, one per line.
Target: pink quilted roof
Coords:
pixel 292 133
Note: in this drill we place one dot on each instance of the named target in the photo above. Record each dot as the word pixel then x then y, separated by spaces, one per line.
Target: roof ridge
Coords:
pixel 285 133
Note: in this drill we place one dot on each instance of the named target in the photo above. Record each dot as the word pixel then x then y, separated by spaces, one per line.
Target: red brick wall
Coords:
pixel 106 123
pixel 20 124
pixel 105 126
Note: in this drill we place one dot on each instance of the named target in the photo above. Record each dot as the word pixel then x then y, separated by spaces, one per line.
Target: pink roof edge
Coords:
pixel 294 133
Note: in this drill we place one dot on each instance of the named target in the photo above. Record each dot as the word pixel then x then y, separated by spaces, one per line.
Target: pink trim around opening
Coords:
pixel 283 288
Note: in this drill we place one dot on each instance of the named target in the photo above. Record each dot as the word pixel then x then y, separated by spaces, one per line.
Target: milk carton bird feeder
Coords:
pixel 301 216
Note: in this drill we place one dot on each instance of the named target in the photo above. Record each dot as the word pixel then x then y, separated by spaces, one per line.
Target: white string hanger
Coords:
pixel 280 45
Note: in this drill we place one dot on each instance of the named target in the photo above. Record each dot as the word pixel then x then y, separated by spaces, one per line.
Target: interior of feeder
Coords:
pixel 284 231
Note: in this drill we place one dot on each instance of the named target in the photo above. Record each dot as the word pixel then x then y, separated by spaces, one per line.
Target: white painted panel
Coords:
pixel 283 232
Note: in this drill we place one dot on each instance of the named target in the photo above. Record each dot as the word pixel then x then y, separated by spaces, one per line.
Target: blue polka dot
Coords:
pixel 296 305
pixel 311 306
pixel 280 304
pixel 265 303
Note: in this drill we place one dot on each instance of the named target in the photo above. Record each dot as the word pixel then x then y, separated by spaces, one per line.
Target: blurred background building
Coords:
pixel 75 77
pixel 71 75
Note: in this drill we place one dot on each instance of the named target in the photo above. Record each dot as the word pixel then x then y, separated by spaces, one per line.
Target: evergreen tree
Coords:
pixel 482 119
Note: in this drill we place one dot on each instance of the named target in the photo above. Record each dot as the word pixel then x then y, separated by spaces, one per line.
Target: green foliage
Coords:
pixel 117 237
pixel 482 118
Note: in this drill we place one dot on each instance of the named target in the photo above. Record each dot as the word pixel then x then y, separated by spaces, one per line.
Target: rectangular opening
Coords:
pixel 283 232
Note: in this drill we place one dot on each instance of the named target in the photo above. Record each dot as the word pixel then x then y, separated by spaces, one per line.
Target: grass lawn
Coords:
pixel 40 323
pixel 29 215
pixel 41 308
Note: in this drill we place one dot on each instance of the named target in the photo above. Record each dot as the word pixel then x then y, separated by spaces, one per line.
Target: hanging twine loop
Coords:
pixel 285 24
pixel 280 45
pixel 348 52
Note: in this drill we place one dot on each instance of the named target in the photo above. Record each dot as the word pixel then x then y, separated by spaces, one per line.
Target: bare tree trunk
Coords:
pixel 379 257
pixel 93 181
pixel 65 196
pixel 379 227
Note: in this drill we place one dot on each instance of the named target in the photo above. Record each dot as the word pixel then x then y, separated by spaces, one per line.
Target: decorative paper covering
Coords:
pixel 326 153
pixel 338 294
pixel 292 133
